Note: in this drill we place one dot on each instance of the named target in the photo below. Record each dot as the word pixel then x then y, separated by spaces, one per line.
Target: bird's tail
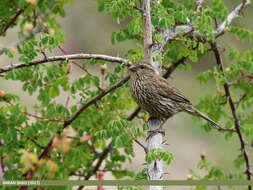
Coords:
pixel 194 111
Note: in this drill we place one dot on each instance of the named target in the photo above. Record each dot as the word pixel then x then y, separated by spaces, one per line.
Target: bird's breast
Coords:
pixel 147 97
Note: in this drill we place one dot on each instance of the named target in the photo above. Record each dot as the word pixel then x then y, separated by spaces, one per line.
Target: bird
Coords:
pixel 157 96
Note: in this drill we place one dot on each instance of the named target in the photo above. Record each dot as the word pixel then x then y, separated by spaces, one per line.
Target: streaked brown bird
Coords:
pixel 157 96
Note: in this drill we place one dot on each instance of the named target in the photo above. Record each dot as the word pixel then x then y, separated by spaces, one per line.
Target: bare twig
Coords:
pixel 233 110
pixel 171 34
pixel 67 100
pixel 139 9
pixel 101 158
pixel 139 143
pixel 62 58
pixel 134 113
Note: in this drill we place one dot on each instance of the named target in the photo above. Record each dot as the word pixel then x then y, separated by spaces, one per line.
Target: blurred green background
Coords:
pixel 88 31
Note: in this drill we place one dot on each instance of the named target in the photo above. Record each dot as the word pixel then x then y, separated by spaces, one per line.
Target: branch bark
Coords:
pixel 155 169
pixel 147 31
pixel 63 58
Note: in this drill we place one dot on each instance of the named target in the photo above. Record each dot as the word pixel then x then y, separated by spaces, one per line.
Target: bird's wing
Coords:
pixel 168 91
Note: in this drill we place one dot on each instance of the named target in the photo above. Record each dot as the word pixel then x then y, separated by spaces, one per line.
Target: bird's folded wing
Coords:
pixel 168 91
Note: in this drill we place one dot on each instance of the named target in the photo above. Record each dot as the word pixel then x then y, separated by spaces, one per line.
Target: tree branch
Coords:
pixel 155 169
pixel 102 157
pixel 31 34
pixel 21 41
pixel 48 148
pixel 31 139
pixel 63 58
pixel 97 166
pixel 95 99
pixel 171 34
pixel 31 115
pixel 147 31
pixel 12 21
pixel 75 63
pixel 234 14
pixel 233 110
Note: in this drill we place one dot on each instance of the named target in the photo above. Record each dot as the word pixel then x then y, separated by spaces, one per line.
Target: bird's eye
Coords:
pixel 141 67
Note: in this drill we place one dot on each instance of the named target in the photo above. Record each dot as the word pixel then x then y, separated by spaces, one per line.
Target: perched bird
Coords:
pixel 157 96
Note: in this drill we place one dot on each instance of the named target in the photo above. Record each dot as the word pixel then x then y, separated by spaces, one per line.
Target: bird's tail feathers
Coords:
pixel 196 112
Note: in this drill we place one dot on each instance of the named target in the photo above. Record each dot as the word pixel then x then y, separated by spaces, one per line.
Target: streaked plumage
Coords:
pixel 155 95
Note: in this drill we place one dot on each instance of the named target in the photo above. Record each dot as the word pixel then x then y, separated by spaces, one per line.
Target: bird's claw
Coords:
pixel 151 133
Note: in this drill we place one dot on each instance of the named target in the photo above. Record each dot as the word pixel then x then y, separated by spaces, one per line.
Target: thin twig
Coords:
pixel 244 76
pixel 95 99
pixel 139 143
pixel 21 41
pixel 32 115
pixel 67 100
pixel 240 99
pixel 97 166
pixel 233 110
pixel 234 14
pixel 48 147
pixel 12 21
pixel 63 58
pixel 31 139
pixel 31 34
pixel 74 62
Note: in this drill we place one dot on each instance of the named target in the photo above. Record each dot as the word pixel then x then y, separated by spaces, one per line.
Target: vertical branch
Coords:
pixel 155 169
pixel 233 110
pixel 147 31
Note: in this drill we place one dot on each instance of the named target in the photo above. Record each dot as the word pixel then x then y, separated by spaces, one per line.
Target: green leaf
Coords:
pixel 54 92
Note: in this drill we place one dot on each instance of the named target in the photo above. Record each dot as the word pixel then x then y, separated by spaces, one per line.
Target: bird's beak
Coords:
pixel 132 67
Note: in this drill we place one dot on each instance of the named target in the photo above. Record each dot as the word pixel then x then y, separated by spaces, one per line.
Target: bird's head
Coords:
pixel 141 68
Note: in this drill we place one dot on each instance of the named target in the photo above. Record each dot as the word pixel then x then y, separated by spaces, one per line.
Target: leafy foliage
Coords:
pixel 102 132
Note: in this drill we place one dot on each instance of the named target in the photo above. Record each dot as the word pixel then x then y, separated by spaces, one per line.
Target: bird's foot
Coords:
pixel 151 133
